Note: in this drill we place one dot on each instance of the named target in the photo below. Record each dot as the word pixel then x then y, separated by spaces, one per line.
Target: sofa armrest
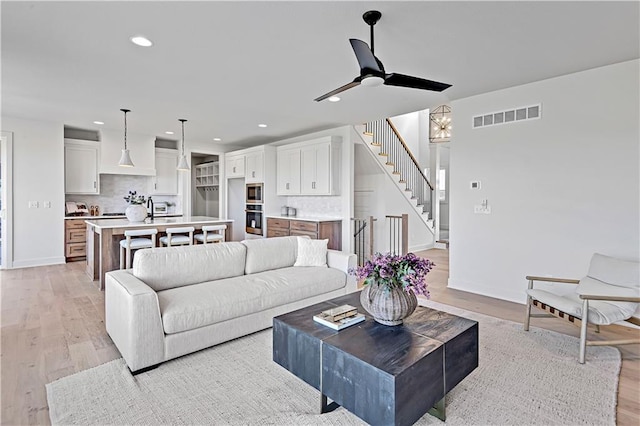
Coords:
pixel 344 262
pixel 132 319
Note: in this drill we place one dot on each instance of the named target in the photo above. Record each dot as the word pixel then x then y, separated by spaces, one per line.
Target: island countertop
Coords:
pixel 104 235
pixel 150 223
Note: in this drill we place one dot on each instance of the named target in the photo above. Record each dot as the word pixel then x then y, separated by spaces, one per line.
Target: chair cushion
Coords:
pixel 210 237
pixel 600 312
pixel 265 254
pixel 137 243
pixel 168 267
pixel 176 239
pixel 622 273
pixel 203 304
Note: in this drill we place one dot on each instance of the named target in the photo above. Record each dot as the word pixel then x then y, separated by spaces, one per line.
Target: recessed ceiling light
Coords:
pixel 217 139
pixel 169 132
pixel 98 122
pixel 262 125
pixel 334 99
pixel 141 41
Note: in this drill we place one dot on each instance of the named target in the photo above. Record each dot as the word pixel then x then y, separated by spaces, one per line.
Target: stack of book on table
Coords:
pixel 339 317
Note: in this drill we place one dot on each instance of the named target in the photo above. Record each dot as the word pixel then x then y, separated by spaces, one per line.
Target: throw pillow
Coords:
pixel 311 252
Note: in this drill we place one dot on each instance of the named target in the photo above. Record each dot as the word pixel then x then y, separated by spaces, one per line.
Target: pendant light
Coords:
pixel 125 158
pixel 182 164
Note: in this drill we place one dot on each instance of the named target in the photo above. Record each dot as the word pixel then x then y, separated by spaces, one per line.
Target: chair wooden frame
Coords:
pixel 551 311
pixel 181 230
pixel 125 252
pixel 211 229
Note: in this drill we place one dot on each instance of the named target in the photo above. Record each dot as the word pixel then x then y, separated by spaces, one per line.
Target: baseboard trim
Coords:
pixel 420 247
pixel 476 288
pixel 43 261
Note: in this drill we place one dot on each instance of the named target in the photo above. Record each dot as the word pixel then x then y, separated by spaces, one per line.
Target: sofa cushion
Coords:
pixel 311 252
pixel 169 267
pixel 265 254
pixel 203 304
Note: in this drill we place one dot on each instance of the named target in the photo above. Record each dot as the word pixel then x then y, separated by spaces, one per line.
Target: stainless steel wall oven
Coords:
pixel 254 219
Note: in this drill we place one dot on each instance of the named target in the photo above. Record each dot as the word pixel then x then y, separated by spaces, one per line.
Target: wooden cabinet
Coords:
pixel 254 171
pixel 234 165
pixel 309 168
pixel 75 232
pixel 288 171
pixel 165 181
pixel 81 160
pixel 318 230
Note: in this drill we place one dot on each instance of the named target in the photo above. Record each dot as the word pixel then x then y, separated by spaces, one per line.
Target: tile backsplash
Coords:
pixel 326 206
pixel 113 189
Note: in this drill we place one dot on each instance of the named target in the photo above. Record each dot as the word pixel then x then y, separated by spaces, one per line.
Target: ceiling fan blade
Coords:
pixel 402 80
pixel 354 83
pixel 368 62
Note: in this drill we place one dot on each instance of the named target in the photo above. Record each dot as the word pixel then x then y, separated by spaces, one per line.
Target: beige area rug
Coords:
pixel 524 378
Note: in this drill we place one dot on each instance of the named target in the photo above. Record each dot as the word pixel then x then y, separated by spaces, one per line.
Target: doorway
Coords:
pixel 6 200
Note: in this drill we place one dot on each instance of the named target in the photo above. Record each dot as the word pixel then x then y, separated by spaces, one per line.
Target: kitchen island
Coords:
pixel 104 235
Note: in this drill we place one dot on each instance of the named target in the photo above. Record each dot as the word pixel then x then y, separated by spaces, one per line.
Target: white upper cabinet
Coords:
pixel 315 165
pixel 288 171
pixel 141 147
pixel 234 166
pixel 315 170
pixel 165 182
pixel 81 159
pixel 254 172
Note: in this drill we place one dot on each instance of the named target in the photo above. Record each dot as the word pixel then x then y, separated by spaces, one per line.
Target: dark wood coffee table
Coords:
pixel 382 374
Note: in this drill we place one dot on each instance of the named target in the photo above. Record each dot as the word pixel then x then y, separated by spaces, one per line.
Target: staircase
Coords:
pixel 393 155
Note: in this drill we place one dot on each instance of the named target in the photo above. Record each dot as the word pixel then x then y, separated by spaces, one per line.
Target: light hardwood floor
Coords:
pixel 52 321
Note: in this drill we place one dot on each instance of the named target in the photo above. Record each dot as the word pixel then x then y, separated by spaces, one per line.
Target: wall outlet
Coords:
pixel 480 209
pixel 46 204
pixel 33 204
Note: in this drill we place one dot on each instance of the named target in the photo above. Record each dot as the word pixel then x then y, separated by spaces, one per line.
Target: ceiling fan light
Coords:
pixel 125 159
pixel 372 81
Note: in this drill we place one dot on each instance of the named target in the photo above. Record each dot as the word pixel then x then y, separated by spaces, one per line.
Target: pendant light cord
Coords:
pixel 182 120
pixel 125 126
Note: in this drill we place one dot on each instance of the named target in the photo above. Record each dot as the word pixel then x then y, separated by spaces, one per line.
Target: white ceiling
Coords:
pixel 227 66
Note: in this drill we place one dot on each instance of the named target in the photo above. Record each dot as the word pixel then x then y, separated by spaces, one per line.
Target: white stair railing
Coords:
pixel 404 164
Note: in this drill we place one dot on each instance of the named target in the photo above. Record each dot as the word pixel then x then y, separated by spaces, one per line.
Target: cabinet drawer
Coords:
pixel 277 223
pixel 75 224
pixel 312 235
pixel 76 249
pixel 304 226
pixel 76 235
pixel 277 233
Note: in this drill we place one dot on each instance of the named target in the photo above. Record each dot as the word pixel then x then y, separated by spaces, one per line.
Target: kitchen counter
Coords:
pixel 306 218
pixel 104 235
pixel 114 217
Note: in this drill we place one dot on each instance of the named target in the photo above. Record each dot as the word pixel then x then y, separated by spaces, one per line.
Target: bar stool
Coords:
pixel 178 240
pixel 211 234
pixel 129 244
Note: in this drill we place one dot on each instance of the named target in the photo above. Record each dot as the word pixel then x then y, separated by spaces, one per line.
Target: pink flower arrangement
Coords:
pixel 389 271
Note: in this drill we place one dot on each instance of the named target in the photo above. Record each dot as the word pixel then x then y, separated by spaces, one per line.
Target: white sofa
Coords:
pixel 178 300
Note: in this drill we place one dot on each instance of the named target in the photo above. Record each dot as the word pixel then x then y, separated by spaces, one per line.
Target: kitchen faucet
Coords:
pixel 150 201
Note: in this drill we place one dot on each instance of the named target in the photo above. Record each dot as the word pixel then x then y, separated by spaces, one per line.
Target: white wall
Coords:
pixel 384 198
pixel 560 188
pixel 38 175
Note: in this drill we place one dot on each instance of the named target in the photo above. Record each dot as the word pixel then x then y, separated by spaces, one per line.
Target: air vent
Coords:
pixel 508 116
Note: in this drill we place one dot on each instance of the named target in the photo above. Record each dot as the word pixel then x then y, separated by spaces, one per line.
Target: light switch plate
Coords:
pixel 33 204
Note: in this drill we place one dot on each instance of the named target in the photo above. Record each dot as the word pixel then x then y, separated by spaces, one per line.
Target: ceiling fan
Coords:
pixel 372 71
